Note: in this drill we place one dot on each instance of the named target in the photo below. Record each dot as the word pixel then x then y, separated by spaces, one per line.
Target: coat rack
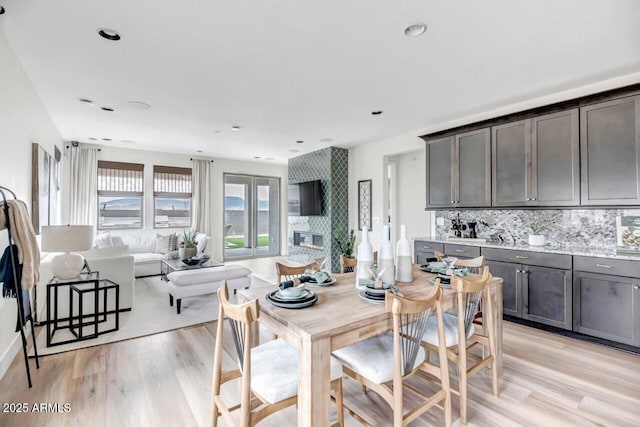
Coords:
pixel 22 316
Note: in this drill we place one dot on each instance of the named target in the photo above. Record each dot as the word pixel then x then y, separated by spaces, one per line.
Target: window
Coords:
pixel 172 197
pixel 120 195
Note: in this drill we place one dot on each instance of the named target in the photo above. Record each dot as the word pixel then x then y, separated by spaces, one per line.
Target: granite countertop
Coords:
pixel 565 250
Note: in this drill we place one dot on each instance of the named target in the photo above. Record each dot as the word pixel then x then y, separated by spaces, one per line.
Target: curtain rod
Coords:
pixel 99 149
pixel 200 159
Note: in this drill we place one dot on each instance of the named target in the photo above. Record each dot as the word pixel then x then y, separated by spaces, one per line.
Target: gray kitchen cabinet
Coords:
pixel 511 286
pixel 547 296
pixel 461 251
pixel 610 152
pixel 459 170
pixel 555 160
pixel 440 172
pixel 607 306
pixel 536 161
pixel 511 160
pixel 423 249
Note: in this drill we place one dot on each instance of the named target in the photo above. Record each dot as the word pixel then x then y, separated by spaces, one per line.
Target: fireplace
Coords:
pixel 308 240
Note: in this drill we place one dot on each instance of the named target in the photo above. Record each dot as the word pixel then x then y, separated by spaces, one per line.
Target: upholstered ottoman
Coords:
pixel 203 281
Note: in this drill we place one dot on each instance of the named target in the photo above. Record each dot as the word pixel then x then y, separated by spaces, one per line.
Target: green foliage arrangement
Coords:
pixel 189 239
pixel 345 243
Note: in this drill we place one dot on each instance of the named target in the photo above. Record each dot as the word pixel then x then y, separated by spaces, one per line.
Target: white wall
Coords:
pixel 220 167
pixel 23 120
pixel 370 161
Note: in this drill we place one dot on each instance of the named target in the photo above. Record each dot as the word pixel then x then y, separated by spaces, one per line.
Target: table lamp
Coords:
pixel 67 238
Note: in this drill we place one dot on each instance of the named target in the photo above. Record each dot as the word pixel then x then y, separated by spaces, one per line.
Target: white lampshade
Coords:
pixel 67 238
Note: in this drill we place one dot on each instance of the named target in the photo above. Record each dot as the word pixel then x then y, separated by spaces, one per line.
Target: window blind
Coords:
pixel 171 181
pixel 120 179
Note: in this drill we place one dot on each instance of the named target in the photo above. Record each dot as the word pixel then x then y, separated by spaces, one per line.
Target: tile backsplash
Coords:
pixel 588 228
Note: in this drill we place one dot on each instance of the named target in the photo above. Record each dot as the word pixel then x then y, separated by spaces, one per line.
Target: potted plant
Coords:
pixel 345 243
pixel 188 248
pixel 536 238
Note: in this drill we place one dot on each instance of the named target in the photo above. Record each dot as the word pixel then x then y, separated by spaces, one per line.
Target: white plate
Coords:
pixel 304 294
pixel 330 282
pixel 366 298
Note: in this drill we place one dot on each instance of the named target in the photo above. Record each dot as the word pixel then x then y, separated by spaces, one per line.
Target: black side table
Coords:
pixel 56 323
pixel 80 290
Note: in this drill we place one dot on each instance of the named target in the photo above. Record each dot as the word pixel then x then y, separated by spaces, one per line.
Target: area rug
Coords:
pixel 151 315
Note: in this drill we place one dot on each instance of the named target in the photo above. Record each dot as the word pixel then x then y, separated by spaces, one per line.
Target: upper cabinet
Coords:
pixel 610 151
pixel 459 170
pixel 536 161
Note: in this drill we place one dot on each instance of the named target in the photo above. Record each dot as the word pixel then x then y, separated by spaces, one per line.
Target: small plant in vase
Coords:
pixel 188 248
pixel 345 243
pixel 536 238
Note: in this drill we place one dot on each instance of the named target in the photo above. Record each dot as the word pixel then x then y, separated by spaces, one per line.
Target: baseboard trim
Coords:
pixel 13 349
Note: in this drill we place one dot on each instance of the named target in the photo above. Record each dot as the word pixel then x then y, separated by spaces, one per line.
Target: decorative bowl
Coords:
pixel 196 261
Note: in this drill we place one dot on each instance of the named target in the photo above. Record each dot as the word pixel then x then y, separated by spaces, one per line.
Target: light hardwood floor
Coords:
pixel 165 380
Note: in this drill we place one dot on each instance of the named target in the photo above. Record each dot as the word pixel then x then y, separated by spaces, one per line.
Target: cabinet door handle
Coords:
pixel 527 199
pixel 636 287
pixel 426 247
pixel 453 201
pixel 461 250
pixel 521 257
pixel 603 266
pixel 533 199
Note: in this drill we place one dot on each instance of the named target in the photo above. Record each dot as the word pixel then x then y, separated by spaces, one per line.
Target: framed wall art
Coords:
pixel 364 204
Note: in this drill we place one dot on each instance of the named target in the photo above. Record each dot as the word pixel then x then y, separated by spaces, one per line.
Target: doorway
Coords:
pixel 251 216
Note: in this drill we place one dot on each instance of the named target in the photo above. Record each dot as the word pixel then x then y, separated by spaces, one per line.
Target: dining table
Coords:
pixel 339 318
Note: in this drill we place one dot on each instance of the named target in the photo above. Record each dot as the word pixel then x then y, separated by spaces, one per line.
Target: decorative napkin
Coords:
pixel 295 282
pixel 320 276
pixel 441 268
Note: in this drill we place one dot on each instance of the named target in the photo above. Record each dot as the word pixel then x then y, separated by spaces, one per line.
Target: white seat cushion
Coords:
pixel 373 358
pixel 450 330
pixel 274 371
pixel 207 275
pixel 143 258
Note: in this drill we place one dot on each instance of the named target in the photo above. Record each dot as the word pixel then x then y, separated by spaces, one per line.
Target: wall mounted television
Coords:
pixel 305 198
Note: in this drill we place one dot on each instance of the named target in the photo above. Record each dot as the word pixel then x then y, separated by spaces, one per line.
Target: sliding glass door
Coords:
pixel 251 216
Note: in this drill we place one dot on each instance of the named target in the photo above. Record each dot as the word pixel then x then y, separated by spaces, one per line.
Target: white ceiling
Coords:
pixel 305 70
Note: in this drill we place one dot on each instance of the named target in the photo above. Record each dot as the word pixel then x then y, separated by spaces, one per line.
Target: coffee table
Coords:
pixel 170 265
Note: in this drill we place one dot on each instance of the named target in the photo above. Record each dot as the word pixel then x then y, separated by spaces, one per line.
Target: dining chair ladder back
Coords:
pixel 241 317
pixel 347 265
pixel 410 319
pixel 288 272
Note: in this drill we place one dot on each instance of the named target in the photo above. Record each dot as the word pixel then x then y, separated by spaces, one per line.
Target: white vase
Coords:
pixel 385 257
pixel 404 264
pixel 364 257
pixel 537 239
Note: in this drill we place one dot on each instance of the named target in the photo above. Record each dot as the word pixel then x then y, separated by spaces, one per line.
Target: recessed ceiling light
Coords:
pixel 299 142
pixel 138 105
pixel 294 151
pixel 269 158
pixel 106 109
pixel 109 34
pixel 86 102
pixel 326 140
pixel 2 10
pixel 256 157
pixel 376 113
pixel 216 131
pixel 198 151
pixel 93 139
pixel 235 128
pixel 128 141
pixel 106 139
pixel 415 30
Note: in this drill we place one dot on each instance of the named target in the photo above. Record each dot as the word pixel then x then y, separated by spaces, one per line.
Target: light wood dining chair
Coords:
pixel 287 272
pixel 382 363
pixel 439 255
pixel 268 372
pixel 347 265
pixel 475 266
pixel 460 334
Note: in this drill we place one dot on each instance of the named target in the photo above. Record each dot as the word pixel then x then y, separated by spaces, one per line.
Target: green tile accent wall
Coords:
pixel 331 166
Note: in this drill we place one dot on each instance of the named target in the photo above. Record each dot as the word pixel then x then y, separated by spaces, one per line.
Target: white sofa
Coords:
pixel 144 249
pixel 114 264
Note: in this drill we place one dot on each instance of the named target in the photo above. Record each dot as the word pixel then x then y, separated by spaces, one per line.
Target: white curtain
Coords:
pixel 201 196
pixel 83 189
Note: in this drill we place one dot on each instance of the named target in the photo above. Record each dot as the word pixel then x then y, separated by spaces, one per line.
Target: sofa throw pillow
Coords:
pixel 117 240
pixel 115 251
pixel 165 243
pixel 102 240
pixel 140 243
